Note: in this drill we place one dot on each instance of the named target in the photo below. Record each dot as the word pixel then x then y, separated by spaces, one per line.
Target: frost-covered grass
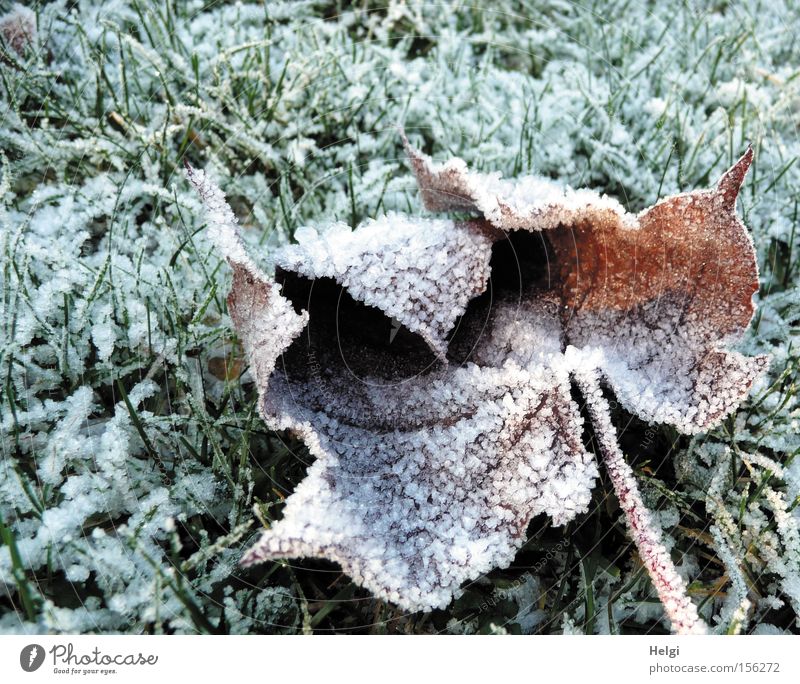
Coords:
pixel 132 453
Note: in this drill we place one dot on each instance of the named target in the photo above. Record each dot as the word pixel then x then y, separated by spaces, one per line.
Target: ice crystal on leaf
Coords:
pixel 427 365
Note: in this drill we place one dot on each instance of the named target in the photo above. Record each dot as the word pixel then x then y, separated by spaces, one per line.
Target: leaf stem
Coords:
pixel 670 586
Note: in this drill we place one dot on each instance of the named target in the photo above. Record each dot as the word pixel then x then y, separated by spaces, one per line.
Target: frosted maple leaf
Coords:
pixel 427 365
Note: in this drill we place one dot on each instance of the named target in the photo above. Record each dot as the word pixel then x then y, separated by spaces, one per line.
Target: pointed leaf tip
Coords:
pixel 731 181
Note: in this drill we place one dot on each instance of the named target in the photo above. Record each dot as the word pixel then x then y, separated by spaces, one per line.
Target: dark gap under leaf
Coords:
pixel 522 265
pixel 348 334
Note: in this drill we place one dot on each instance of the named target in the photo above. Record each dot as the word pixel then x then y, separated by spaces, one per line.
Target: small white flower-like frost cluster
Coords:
pixel 426 364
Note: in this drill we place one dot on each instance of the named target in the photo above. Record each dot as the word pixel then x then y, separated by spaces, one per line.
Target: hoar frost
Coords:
pixel 427 365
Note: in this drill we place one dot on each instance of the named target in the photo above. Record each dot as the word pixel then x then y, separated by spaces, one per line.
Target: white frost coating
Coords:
pixel 421 272
pixel 422 485
pixel 671 588
pixel 658 362
pixel 443 489
pixel 270 323
pixel 427 473
pixel 64 442
pixel 222 223
pixel 56 233
pixel 528 202
pixel 662 293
